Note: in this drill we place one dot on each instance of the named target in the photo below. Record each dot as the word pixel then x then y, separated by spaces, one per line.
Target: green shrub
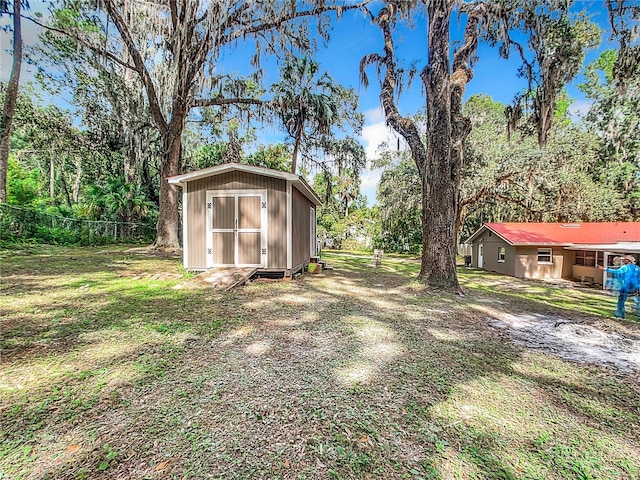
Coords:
pixel 354 245
pixel 57 236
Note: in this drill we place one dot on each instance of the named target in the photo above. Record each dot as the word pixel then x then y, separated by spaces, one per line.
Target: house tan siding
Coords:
pixel 301 216
pixel 568 259
pixel 522 261
pixel 527 265
pixel 590 274
pixel 491 245
pixel 276 212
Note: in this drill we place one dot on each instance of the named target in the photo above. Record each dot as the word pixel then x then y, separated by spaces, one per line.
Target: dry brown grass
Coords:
pixel 355 373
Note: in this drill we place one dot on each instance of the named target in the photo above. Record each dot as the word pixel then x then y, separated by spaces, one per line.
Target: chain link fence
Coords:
pixel 19 224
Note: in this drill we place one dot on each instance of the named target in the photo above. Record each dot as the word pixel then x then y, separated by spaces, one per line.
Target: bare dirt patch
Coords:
pixel 525 311
pixel 586 341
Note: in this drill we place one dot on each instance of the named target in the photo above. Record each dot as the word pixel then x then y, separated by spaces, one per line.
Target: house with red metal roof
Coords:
pixel 553 250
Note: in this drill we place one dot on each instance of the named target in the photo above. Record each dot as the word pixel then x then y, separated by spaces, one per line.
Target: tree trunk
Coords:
pixel 65 189
pixel 439 183
pixel 544 122
pixel 168 215
pixel 10 99
pixel 147 181
pixel 296 147
pixel 461 125
pixel 78 181
pixel 52 180
pixel 437 172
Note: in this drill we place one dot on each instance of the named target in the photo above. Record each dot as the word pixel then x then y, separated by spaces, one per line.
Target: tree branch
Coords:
pixel 211 102
pixel 404 126
pixel 173 8
pixel 250 30
pixel 486 191
pixel 89 45
pixel 140 67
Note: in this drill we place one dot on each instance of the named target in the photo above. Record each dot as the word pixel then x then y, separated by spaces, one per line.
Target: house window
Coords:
pixel 588 258
pixel 502 254
pixel 544 255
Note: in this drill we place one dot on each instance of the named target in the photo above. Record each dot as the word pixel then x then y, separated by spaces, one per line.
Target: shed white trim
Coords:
pixel 263 230
pixel 289 226
pixel 185 229
pixel 297 180
pixel 312 232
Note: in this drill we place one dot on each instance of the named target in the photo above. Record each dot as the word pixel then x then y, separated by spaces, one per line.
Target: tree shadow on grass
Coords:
pixel 348 375
pixel 65 423
pixel 45 316
pixel 602 405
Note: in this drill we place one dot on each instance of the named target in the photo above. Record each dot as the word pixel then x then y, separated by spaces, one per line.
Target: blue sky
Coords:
pixel 352 38
pixel 493 76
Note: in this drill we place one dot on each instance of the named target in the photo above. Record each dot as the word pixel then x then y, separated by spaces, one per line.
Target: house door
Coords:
pixel 480 255
pixel 237 228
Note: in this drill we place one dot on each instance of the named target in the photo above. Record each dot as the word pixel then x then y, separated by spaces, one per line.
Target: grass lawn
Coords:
pixel 118 364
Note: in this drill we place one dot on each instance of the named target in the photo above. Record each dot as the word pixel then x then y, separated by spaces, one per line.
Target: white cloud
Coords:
pixel 374 115
pixel 370 178
pixel 579 109
pixel 374 133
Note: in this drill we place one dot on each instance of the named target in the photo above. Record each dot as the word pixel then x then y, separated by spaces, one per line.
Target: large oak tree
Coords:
pixel 444 77
pixel 174 48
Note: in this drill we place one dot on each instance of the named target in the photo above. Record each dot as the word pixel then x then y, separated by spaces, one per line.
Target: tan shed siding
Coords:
pixel 249 242
pixel 223 243
pixel 196 227
pixel 249 212
pixel 277 210
pixel 223 212
pixel 276 206
pixel 301 228
pixel 527 265
pixel 249 248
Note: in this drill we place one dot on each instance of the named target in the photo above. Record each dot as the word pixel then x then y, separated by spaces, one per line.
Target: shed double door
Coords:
pixel 237 227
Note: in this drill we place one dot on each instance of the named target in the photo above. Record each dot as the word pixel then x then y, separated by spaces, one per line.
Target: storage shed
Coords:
pixel 236 215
